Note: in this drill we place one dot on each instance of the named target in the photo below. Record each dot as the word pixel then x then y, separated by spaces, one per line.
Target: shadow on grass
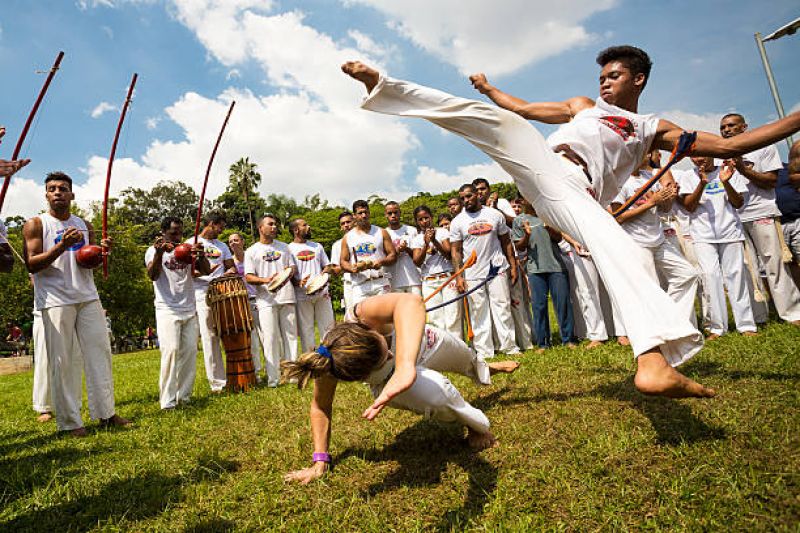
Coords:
pixel 131 499
pixel 711 368
pixel 424 451
pixel 211 525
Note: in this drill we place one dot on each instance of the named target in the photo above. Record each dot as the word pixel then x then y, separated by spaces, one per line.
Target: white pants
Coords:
pixel 687 245
pixel 521 309
pixel 86 324
pixel 41 379
pixel 763 236
pixel 347 294
pixel 255 341
pixel 450 316
pixel 490 306
pixel 434 396
pixel 791 234
pixel 314 309
pixel 725 261
pixel 370 287
pixel 177 340
pixel 409 289
pixel 584 291
pixel 680 277
pixel 557 189
pixel 212 351
pixel 279 338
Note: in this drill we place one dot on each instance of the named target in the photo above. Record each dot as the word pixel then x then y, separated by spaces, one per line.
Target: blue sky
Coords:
pixel 297 117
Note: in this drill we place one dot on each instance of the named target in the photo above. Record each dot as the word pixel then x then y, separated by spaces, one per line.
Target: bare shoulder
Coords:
pixel 579 103
pixel 32 227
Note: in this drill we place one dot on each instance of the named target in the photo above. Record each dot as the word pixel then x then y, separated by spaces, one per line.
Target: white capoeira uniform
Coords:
pixel 404 275
pixel 363 247
pixel 490 305
pixel 347 282
pixel 719 244
pixel 276 311
pixel 432 394
pixel 217 253
pixel 667 260
pixel 758 216
pixel 584 292
pixel 41 377
pixel 255 335
pixel 435 270
pixel 66 295
pixel 519 294
pixel 176 323
pixel 679 223
pixel 310 258
pixel 613 142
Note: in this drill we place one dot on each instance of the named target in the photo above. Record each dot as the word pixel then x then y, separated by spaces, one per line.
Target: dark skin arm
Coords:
pixel 6 258
pixel 764 180
pixel 37 260
pixel 457 258
pixel 734 197
pixel 508 248
pixel 692 200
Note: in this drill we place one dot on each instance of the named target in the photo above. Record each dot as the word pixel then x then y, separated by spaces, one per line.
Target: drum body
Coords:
pixel 233 322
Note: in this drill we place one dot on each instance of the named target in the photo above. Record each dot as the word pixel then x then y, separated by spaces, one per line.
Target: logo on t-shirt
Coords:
pixel 271 255
pixel 365 249
pixel 430 338
pixel 479 227
pixel 306 255
pixel 212 252
pixel 175 265
pixel 621 125
pixel 714 187
pixel 75 247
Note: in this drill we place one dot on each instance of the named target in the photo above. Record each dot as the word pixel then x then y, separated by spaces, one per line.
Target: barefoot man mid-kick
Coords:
pixel 571 176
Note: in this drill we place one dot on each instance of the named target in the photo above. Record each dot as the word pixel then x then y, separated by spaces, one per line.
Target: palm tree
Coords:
pixel 243 176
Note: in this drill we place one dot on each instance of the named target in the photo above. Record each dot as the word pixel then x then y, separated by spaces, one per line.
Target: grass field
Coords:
pixel 579 450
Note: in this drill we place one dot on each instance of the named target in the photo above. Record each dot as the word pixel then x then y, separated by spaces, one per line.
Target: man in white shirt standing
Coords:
pixel 365 252
pixel 642 222
pixel 176 318
pixel 345 225
pixel 221 261
pixel 236 246
pixel 712 195
pixel 484 230
pixel 66 295
pixel 760 168
pixel 311 260
pixel 263 261
pixel 404 274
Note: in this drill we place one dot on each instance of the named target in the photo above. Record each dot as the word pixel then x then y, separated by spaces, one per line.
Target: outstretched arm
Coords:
pixel 547 112
pixel 320 414
pixel 712 145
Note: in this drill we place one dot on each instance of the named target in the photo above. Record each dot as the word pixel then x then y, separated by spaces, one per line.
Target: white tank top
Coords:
pixel 64 282
pixel 366 246
pixel 611 140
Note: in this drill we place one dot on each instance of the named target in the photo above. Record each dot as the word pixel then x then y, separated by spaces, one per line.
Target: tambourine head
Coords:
pixel 89 256
pixel 183 253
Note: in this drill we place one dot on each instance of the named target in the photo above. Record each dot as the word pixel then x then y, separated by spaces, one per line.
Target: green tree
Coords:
pixel 146 208
pixel 241 198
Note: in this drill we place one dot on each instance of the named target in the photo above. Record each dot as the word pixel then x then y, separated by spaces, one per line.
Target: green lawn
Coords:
pixel 579 450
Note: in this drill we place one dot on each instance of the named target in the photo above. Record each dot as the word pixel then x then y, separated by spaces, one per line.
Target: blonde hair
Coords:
pixel 355 350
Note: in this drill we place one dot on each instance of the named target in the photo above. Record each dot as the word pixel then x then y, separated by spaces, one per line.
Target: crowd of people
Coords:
pixel 489 265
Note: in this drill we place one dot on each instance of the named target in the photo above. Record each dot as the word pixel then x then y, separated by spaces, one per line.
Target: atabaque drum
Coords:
pixel 230 311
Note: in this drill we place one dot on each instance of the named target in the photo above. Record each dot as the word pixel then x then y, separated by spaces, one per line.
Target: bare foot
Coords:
pixel 44 417
pixel 623 341
pixel 503 367
pixel 540 350
pixel 795 322
pixel 655 377
pixel 480 441
pixel 78 432
pixel 571 345
pixel 115 420
pixel 750 333
pixel 363 73
pixel 594 344
pixel 712 336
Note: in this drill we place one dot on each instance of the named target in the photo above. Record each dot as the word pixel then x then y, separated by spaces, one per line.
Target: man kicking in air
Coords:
pixel 596 149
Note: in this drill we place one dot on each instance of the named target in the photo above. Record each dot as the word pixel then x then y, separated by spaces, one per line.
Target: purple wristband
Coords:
pixel 321 457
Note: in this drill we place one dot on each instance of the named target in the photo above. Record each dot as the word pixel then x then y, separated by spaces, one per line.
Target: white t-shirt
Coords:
pixel 251 290
pixel 264 260
pixel 404 272
pixel 363 247
pixel 611 140
pixel 173 288
pixel 310 258
pixel 336 259
pixel 64 282
pixel 434 262
pixel 646 229
pixel 480 231
pixel 760 202
pixel 217 253
pixel 504 206
pixel 715 220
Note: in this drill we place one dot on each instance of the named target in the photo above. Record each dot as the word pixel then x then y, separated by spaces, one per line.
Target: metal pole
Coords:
pixel 771 80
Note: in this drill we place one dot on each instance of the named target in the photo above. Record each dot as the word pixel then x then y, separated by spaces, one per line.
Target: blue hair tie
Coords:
pixel 323 351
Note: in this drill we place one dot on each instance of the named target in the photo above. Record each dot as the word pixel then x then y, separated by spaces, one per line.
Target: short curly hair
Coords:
pixel 636 59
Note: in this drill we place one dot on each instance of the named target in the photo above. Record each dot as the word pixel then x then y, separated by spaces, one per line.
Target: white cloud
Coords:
pixel 795 107
pixel 152 122
pixel 434 181
pixel 493 37
pixel 101 108
pixel 691 122
pixel 233 74
pixel 108 31
pixel 367 45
